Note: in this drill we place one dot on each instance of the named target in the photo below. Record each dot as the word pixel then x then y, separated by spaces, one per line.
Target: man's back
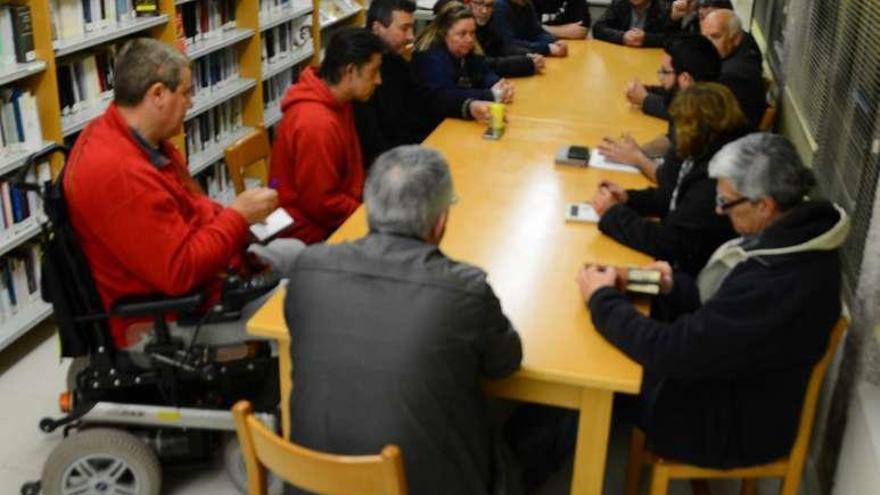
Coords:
pixel 389 340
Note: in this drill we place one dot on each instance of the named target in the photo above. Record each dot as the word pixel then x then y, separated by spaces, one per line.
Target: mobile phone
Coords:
pixel 581 212
pixel 581 153
pixel 493 133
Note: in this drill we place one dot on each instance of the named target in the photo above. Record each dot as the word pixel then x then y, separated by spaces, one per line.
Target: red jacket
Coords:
pixel 145 230
pixel 316 159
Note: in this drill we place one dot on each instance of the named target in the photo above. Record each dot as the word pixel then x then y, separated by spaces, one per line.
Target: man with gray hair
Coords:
pixel 391 338
pixel 144 225
pixel 741 62
pixel 726 372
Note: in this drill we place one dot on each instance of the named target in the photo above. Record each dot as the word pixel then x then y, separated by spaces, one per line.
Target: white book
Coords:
pixel 19 281
pixel 598 160
pixel 32 197
pixel 30 117
pixel 91 83
pixel 73 25
pixel 110 12
pixel 7 39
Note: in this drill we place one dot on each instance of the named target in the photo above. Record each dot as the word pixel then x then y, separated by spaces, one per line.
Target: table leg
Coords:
pixel 284 379
pixel 591 451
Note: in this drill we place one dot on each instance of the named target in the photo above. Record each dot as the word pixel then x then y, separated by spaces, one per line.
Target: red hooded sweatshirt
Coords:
pixel 316 159
pixel 145 229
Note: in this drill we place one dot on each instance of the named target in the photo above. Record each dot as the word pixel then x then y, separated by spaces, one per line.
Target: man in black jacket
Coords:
pixel 741 61
pixel 391 338
pixel 505 59
pixel 638 23
pixel 566 19
pixel 741 70
pixel 402 110
pixel 724 380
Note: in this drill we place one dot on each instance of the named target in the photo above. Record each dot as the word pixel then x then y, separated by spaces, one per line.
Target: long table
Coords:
pixel 510 221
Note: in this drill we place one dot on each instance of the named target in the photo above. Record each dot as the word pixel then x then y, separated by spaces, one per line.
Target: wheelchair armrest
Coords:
pixel 157 305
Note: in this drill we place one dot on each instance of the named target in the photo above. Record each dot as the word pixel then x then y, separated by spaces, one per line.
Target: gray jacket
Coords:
pixel 389 340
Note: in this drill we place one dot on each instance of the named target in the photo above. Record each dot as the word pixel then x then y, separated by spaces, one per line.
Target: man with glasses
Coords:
pixel 505 59
pixel 725 374
pixel 688 59
pixel 403 110
pixel 391 337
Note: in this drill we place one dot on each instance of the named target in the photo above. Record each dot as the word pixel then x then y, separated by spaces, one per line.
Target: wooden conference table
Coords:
pixel 509 220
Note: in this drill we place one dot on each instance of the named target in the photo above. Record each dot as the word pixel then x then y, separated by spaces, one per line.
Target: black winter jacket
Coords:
pixel 686 236
pixel 402 110
pixel 724 382
pixel 506 60
pixel 616 21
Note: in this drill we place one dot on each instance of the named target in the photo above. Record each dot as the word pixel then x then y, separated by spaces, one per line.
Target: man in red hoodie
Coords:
pixel 144 225
pixel 316 158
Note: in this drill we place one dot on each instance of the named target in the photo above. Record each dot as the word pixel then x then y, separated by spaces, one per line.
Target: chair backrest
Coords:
pixel 318 472
pixel 66 280
pixel 811 398
pixel 249 157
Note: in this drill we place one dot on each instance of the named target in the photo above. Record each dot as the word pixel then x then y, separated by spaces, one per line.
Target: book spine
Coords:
pixel 24 33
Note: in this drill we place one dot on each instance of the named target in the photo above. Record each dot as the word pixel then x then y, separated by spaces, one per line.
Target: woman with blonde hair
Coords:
pixel 705 116
pixel 449 59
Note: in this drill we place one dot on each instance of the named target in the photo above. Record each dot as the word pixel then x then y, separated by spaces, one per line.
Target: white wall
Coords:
pixel 858 469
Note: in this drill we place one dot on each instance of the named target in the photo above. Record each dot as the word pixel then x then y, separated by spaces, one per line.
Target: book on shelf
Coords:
pixel 20 128
pixel 217 184
pixel 74 18
pixel 281 41
pixel 270 7
pixel 18 205
pixel 204 20
pixel 86 83
pixel 276 86
pixel 214 71
pixel 16 35
pixel 19 280
pixel 207 129
pixel 144 8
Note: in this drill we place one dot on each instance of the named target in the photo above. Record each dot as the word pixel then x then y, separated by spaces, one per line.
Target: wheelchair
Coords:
pixel 124 413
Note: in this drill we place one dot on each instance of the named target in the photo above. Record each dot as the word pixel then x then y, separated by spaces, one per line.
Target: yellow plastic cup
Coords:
pixel 497 112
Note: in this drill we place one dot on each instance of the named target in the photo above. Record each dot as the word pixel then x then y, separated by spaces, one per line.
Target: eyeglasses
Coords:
pixel 662 71
pixel 724 205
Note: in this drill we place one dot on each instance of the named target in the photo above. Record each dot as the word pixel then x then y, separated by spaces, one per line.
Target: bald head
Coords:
pixel 724 30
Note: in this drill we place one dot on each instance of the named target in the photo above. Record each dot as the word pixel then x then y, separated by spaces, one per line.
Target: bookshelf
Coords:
pixel 254 22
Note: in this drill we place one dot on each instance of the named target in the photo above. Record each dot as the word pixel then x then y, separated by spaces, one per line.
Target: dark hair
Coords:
pixel 143 62
pixel 696 55
pixel 349 45
pixel 381 10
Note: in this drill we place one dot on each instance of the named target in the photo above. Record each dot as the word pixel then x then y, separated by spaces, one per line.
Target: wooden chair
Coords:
pixel 324 474
pixel 248 157
pixel 789 468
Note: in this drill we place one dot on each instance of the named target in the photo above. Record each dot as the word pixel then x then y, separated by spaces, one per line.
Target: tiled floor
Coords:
pixel 31 376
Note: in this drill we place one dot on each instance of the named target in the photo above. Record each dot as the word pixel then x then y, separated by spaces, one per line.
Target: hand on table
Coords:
pixel 634 37
pixel 506 89
pixel 623 150
pixel 538 61
pixel 558 49
pixel 593 277
pixel 479 110
pixel 606 196
pixel 636 92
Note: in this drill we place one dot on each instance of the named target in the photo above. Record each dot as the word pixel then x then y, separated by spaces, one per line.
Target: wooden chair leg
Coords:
pixel 749 487
pixel 700 487
pixel 659 480
pixel 634 464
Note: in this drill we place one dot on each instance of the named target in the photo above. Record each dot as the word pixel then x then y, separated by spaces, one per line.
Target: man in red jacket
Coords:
pixel 316 158
pixel 144 225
